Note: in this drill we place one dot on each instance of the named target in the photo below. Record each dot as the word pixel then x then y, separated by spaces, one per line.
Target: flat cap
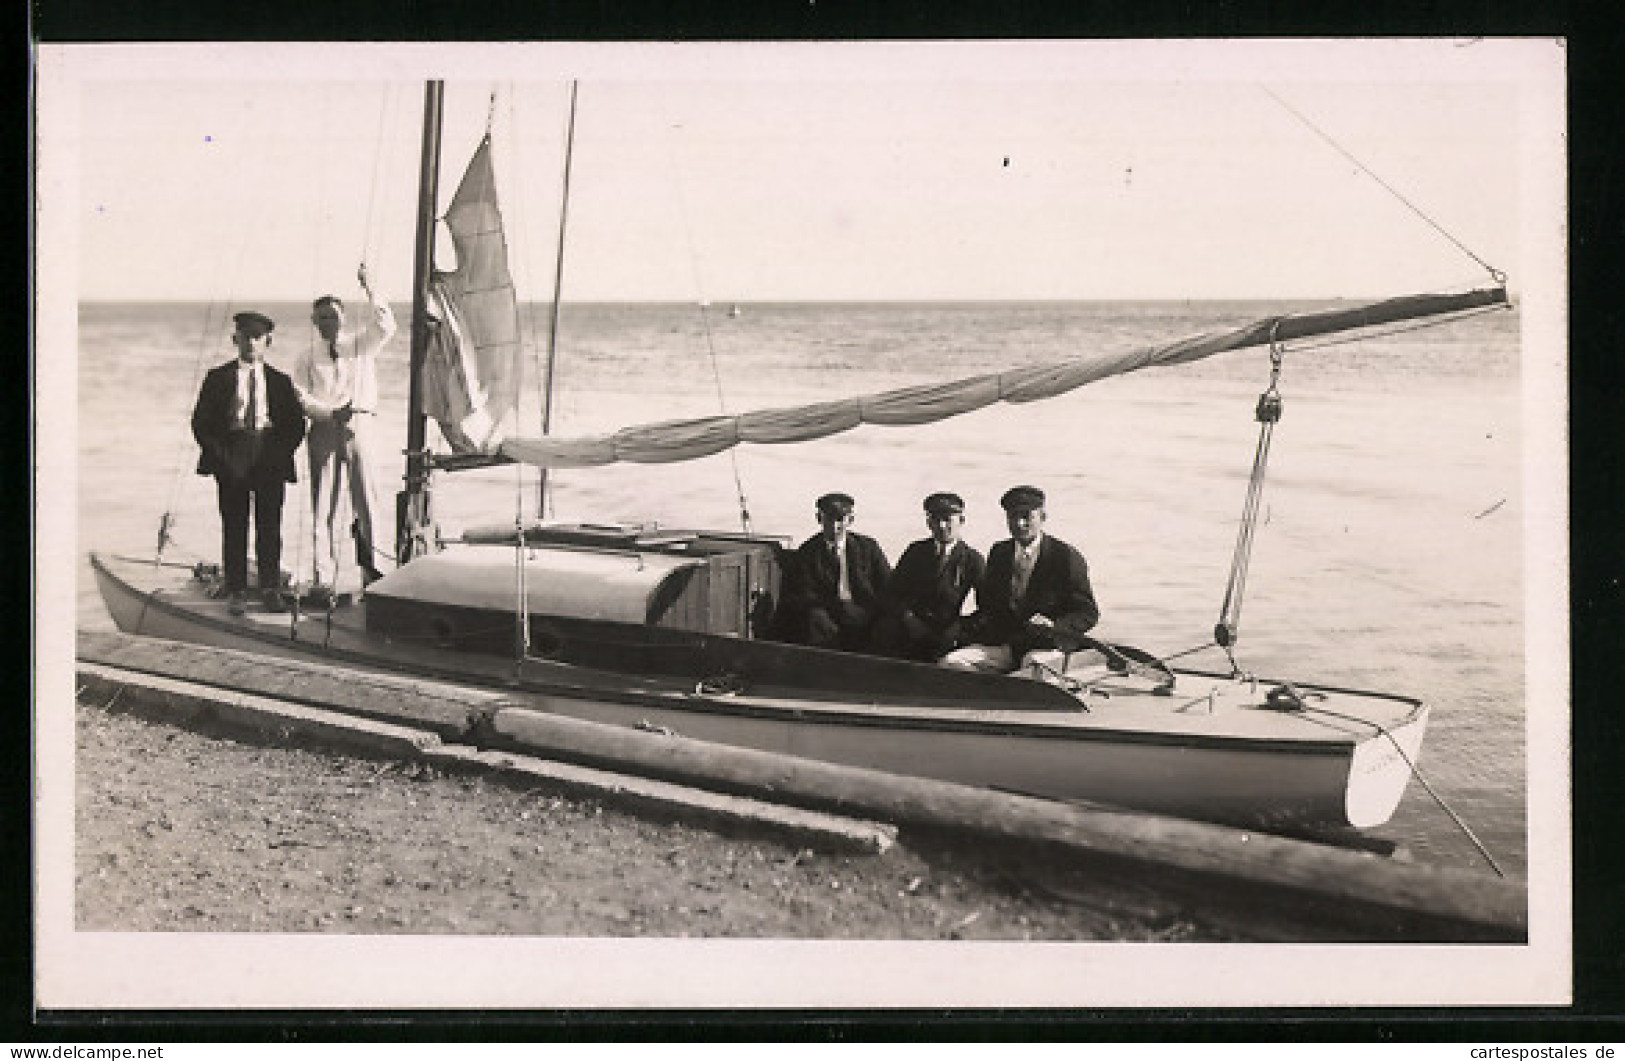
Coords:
pixel 1022 499
pixel 836 504
pixel 250 318
pixel 944 504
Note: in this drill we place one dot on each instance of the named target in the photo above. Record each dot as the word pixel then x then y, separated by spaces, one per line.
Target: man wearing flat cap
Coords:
pixel 1034 603
pixel 248 423
pixel 834 582
pixel 926 594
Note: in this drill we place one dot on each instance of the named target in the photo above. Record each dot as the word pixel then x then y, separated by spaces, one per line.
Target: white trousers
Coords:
pixel 998 659
pixel 339 459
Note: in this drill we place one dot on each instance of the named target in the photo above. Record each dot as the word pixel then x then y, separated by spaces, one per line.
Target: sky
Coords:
pixel 1007 170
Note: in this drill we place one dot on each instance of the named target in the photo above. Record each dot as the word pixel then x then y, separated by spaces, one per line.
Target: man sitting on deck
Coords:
pixel 927 590
pixel 1034 603
pixel 833 585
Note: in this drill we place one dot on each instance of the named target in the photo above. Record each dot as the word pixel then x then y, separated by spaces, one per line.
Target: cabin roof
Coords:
pixel 586 583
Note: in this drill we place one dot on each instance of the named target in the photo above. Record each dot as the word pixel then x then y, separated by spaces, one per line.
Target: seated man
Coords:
pixel 833 585
pixel 927 591
pixel 1034 603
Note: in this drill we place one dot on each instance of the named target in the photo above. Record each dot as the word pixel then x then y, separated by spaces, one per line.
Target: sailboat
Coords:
pixel 673 628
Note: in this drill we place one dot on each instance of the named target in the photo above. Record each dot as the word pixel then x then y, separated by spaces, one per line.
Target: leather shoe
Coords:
pixel 238 604
pixel 273 601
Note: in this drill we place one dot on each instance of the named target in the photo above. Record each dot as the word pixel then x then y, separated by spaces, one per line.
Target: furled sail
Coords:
pixel 679 440
pixel 472 370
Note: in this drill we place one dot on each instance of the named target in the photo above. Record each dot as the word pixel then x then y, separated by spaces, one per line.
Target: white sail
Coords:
pixel 690 439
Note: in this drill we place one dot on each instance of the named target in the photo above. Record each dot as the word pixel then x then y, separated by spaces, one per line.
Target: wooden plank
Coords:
pixel 825 832
pixel 446 709
pixel 189 703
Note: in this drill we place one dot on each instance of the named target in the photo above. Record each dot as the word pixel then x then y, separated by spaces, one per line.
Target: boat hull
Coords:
pixel 1207 753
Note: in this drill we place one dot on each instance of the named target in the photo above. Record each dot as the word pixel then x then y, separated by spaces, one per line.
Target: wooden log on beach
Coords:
pixel 1344 894
pixel 1357 890
pixel 825 832
pixel 190 703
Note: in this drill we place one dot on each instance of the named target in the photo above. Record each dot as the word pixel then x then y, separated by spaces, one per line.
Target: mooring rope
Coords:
pixel 1410 764
pixel 1416 772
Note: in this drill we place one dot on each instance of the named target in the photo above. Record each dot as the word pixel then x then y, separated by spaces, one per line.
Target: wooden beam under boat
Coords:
pixel 1344 894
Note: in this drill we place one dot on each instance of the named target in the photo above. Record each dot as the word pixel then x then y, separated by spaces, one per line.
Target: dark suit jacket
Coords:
pixel 211 421
pixel 814 581
pixel 1058 588
pixel 934 595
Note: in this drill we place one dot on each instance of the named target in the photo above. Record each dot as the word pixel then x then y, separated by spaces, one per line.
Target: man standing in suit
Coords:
pixel 835 581
pixel 248 423
pixel 337 382
pixel 927 591
pixel 1034 602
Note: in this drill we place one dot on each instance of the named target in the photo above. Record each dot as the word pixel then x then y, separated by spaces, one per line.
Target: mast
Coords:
pixel 414 528
pixel 558 290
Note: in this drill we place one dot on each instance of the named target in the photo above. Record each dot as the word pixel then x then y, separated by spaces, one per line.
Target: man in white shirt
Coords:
pixel 337 380
pixel 1034 603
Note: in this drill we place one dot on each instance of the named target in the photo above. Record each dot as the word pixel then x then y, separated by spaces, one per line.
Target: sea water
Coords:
pixel 1388 553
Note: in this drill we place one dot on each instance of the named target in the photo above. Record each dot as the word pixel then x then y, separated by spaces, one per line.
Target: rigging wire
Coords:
pixel 1268 410
pixel 705 324
pixel 521 624
pixel 209 335
pixel 526 311
pixel 521 646
pixel 385 109
pixel 546 381
pixel 374 237
pixel 1416 773
pixel 1495 273
pixel 1268 414
pixel 305 510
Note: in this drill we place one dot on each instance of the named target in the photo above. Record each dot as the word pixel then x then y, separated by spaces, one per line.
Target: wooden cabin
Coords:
pixel 704 582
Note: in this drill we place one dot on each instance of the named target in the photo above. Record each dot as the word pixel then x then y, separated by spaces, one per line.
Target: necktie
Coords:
pixel 844 582
pixel 1023 571
pixel 252 419
pixel 943 552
